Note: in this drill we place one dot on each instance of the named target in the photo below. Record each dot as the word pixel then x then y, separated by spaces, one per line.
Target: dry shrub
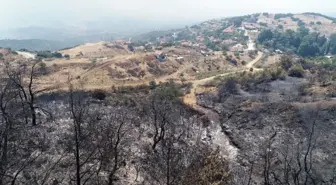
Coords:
pixel 113 73
pixel 149 58
pixel 211 169
pixel 126 64
pixel 135 61
pixel 135 72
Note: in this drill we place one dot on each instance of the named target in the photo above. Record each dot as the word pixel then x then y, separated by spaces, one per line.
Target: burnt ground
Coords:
pixel 279 115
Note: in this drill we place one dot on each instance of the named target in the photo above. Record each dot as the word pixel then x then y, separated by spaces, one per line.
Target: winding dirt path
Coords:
pixel 218 138
pixel 190 99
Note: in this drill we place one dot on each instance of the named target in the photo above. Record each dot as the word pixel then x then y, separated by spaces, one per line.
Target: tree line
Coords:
pixel 301 42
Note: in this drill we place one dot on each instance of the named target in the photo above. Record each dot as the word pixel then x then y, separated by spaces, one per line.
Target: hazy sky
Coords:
pixel 20 13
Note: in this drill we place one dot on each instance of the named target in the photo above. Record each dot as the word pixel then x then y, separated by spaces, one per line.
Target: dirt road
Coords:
pixel 190 99
pixel 219 139
pixel 27 55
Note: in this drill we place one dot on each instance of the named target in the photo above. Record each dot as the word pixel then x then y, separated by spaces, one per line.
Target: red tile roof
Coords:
pixel 228 29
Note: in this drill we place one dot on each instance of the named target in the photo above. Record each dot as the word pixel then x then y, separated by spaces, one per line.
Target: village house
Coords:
pixel 229 30
pixel 186 44
pixel 228 42
pixel 162 43
pixel 203 47
pixel 251 26
pixel 216 41
pixel 195 45
pixel 180 59
pixel 237 48
pixel 149 45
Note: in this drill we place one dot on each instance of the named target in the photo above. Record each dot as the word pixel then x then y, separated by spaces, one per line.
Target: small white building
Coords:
pixel 180 59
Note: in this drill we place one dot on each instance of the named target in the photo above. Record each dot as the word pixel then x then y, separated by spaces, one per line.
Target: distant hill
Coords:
pixel 68 35
pixel 53 45
pixel 315 22
pixel 108 29
pixel 31 44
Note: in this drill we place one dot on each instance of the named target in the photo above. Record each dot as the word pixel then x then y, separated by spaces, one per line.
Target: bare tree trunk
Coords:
pixel 116 157
pixel 4 140
pixel 28 94
pixel 3 161
pixel 267 165
pixel 77 133
pixel 308 155
pixel 32 96
pixel 168 166
pixel 250 175
pixel 77 156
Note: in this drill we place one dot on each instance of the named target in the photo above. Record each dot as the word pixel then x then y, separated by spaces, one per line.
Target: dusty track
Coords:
pixel 220 139
pixel 190 99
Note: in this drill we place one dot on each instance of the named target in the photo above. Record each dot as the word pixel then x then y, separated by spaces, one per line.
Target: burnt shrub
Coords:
pixel 99 95
pixel 152 84
pixel 286 62
pixel 296 71
pixel 227 88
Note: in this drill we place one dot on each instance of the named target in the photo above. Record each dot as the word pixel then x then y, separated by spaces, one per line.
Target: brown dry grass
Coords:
pixel 327 27
pixel 125 68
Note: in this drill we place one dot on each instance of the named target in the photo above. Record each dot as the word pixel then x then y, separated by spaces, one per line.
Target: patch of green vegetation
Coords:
pixel 282 15
pixel 332 41
pixel 237 21
pixel 323 62
pixel 49 54
pixel 295 19
pixel 249 81
pixel 152 85
pixel 263 24
pixel 265 14
pixel 170 91
pixel 236 54
pixel 300 23
pixel 300 42
pixel 225 48
pixel 212 45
